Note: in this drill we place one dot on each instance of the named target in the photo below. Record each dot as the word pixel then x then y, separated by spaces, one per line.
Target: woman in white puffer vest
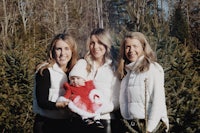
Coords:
pixel 51 116
pixel 142 93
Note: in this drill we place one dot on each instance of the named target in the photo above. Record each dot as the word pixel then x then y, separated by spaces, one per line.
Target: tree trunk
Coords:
pixel 99 13
pixel 6 19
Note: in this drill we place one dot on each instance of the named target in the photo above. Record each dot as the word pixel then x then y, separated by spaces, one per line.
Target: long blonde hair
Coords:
pixel 105 38
pixel 149 55
pixel 51 57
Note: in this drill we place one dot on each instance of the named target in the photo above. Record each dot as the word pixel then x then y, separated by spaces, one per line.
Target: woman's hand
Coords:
pixel 62 104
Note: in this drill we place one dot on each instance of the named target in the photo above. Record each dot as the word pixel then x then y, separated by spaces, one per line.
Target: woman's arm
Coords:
pixel 115 94
pixel 158 97
pixel 42 90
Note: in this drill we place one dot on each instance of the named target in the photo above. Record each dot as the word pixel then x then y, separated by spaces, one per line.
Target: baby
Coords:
pixel 83 98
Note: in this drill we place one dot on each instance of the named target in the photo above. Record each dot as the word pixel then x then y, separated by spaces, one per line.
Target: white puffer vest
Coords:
pixel 57 78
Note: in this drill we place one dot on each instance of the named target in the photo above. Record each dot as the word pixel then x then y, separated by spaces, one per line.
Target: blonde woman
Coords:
pixel 99 68
pixel 142 93
pixel 49 80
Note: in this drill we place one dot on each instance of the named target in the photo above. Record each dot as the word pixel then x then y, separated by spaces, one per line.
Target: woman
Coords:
pixel 142 94
pixel 99 66
pixel 50 76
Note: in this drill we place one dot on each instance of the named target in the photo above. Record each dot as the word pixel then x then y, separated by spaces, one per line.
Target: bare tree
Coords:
pixel 99 13
pixel 5 28
pixel 22 6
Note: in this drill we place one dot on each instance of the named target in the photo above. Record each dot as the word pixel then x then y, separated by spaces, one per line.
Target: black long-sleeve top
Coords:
pixel 43 84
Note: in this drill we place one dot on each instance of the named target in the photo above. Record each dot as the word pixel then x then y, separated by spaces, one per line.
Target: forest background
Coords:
pixel 27 27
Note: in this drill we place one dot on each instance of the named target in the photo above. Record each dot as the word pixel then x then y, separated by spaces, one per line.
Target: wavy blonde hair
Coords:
pixel 149 55
pixel 105 38
pixel 51 57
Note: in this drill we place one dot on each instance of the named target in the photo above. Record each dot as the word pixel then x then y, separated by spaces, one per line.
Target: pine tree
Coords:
pixel 179 26
pixel 16 89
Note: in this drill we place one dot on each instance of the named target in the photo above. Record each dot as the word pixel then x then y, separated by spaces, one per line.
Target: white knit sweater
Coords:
pixel 105 81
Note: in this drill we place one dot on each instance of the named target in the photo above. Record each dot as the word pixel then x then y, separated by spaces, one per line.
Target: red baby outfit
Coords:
pixel 81 96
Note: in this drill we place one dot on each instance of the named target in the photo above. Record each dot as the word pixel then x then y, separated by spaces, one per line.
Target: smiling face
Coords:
pixel 62 53
pixel 133 49
pixel 97 48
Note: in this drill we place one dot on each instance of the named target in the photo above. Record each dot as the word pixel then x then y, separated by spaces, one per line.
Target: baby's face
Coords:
pixel 77 81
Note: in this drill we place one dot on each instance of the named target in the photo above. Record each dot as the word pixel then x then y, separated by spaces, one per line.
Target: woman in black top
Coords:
pixel 51 116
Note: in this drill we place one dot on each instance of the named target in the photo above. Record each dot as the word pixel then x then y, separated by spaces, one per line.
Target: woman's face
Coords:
pixel 63 53
pixel 97 49
pixel 133 49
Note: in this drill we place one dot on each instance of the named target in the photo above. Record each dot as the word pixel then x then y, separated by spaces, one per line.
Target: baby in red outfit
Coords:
pixel 83 98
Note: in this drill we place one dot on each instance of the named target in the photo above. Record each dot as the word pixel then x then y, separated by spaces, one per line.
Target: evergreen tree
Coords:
pixel 182 85
pixel 179 26
pixel 16 89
